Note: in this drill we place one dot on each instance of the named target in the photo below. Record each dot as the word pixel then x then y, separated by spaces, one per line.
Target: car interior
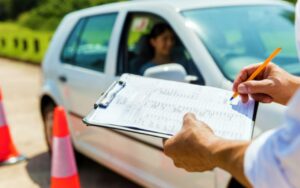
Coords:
pixel 136 51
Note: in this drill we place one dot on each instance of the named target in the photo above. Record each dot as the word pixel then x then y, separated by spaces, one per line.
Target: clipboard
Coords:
pixel 103 102
pixel 108 97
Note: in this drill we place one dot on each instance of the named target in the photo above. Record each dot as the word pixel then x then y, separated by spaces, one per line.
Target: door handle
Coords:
pixel 62 78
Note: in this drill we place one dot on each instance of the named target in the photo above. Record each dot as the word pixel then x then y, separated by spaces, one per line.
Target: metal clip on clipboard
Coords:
pixel 110 94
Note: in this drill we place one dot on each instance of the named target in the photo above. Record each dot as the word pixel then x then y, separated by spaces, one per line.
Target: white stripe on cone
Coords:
pixel 63 161
pixel 2 115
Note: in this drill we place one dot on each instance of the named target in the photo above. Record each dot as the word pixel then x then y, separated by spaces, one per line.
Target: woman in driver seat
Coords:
pixel 161 42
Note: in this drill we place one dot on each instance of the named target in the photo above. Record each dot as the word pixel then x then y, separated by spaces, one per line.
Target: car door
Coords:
pixel 131 53
pixel 83 74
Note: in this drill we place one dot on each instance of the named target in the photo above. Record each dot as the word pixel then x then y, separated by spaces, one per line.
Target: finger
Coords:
pixel 169 146
pixel 189 169
pixel 189 116
pixel 262 98
pixel 164 141
pixel 177 164
pixel 244 98
pixel 244 75
pixel 193 169
pixel 237 81
pixel 188 119
pixel 254 86
pixel 203 125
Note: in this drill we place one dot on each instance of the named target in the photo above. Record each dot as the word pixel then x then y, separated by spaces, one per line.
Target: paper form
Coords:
pixel 159 106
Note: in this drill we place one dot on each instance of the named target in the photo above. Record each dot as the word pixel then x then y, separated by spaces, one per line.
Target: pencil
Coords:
pixel 259 69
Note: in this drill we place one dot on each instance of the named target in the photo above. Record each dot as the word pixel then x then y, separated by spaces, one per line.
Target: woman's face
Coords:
pixel 163 43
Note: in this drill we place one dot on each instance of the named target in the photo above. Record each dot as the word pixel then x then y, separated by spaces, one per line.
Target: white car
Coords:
pixel 214 41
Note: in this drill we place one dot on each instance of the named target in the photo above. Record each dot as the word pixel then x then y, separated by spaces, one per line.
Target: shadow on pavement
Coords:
pixel 91 174
pixel 38 168
pixel 94 175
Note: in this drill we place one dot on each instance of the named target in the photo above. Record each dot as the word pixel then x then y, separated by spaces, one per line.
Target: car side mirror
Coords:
pixel 172 71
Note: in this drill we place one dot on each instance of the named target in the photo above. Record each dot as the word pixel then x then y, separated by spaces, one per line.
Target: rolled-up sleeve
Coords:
pixel 273 159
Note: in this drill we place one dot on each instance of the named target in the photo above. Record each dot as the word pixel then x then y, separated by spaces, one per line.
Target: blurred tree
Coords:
pixel 45 14
pixel 48 15
pixel 11 9
pixel 292 1
pixel 4 6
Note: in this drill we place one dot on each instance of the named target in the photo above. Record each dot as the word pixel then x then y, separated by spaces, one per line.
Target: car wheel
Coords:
pixel 48 113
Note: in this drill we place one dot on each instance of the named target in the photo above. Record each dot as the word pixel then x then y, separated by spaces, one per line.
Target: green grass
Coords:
pixel 22 43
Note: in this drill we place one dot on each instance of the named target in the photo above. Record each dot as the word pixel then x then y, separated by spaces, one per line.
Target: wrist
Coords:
pixel 219 149
pixel 229 154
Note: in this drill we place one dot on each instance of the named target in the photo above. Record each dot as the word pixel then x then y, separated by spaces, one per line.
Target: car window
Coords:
pixel 242 35
pixel 88 45
pixel 136 50
pixel 71 45
pixel 137 47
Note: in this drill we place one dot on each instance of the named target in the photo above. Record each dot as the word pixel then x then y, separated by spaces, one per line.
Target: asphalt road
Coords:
pixel 20 83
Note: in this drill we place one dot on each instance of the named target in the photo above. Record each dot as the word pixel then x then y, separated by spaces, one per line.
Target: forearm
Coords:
pixel 229 155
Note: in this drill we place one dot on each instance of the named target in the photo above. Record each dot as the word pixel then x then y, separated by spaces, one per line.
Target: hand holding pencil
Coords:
pixel 267 85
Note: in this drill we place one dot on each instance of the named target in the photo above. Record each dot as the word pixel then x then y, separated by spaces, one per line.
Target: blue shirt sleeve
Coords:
pixel 273 160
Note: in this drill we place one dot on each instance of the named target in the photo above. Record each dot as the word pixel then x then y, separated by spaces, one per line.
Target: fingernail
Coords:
pixel 242 89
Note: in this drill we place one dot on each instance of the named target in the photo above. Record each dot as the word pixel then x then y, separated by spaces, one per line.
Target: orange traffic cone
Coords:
pixel 8 151
pixel 63 171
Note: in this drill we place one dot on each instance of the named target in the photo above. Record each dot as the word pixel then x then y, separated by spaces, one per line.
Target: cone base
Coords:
pixel 13 160
pixel 71 181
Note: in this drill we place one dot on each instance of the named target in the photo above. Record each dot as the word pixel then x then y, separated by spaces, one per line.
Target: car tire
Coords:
pixel 48 114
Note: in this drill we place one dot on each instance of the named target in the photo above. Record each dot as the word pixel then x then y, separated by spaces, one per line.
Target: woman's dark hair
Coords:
pixel 158 29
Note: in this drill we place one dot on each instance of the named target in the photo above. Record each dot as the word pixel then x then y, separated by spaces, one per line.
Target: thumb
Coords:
pixel 188 119
pixel 255 86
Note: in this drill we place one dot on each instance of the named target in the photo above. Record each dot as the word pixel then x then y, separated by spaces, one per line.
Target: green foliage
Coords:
pixel 35 27
pixel 37 19
pixel 48 15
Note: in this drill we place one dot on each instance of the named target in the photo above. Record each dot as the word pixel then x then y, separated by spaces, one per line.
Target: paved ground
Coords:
pixel 20 83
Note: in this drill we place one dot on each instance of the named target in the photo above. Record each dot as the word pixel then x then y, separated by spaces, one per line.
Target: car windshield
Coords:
pixel 243 35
